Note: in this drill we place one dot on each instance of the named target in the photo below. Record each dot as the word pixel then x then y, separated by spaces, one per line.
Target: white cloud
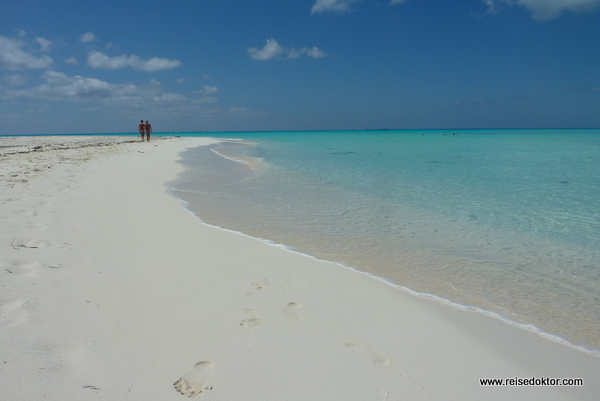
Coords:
pixel 322 6
pixel 204 100
pixel 72 60
pixel 13 57
pixel 45 44
pixel 293 53
pixel 544 10
pixel 313 52
pixel 99 60
pixel 180 80
pixel 207 90
pixel 492 6
pixel 60 87
pixel 272 49
pixel 156 64
pixel 392 2
pixel 87 37
pixel 14 80
pixel 239 110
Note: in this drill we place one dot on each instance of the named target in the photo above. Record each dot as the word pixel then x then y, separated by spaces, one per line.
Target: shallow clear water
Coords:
pixel 507 221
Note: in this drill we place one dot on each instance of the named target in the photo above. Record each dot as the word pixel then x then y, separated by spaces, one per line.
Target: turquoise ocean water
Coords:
pixel 506 221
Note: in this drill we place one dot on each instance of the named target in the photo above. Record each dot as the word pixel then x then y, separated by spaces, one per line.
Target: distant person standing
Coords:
pixel 148 129
pixel 141 129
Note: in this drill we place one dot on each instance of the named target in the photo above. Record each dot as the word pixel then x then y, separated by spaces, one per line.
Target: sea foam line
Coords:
pixel 252 166
pixel 525 326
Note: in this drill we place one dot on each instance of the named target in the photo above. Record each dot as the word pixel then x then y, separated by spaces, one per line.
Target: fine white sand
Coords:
pixel 111 290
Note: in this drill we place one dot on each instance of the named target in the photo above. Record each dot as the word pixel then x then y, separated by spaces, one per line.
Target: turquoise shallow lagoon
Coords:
pixel 507 221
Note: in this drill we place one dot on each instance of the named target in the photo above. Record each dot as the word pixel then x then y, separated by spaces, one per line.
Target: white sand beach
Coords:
pixel 111 290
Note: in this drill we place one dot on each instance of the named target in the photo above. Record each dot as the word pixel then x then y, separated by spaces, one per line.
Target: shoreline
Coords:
pixel 436 298
pixel 114 292
pixel 540 301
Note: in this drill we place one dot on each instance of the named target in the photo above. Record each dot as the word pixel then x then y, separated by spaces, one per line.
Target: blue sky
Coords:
pixel 236 65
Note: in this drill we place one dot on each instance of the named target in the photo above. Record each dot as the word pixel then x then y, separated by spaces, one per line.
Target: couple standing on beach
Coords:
pixel 145 128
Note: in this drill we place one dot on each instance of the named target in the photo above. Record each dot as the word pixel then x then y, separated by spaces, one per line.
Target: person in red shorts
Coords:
pixel 141 129
pixel 148 129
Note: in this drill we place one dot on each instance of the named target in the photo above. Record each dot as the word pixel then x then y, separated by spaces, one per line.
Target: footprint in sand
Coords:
pixel 294 311
pixel 378 359
pixel 380 393
pixel 252 320
pixel 193 383
pixel 27 268
pixel 261 285
pixel 32 244
pixel 383 361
